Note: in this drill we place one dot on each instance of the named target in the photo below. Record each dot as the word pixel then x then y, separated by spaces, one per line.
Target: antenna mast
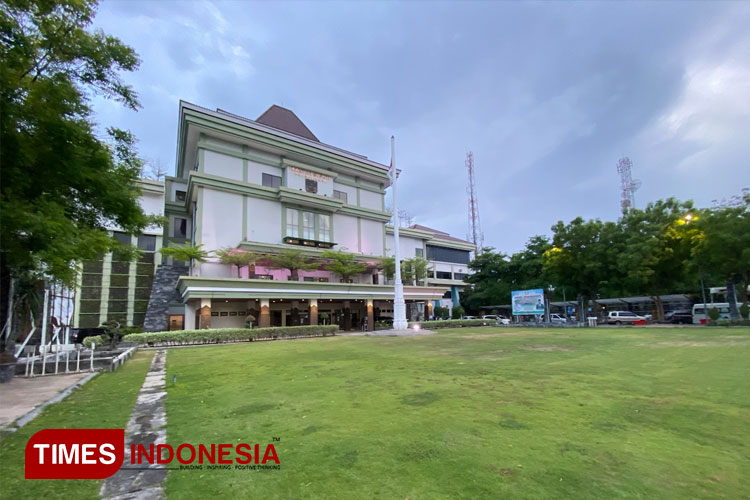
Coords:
pixel 628 185
pixel 475 230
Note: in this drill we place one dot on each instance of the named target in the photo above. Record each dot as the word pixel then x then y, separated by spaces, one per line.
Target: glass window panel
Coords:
pixel 292 223
pixel 123 238
pixel 324 228
pixel 147 242
pixel 272 181
pixel 180 227
pixel 308 225
pixel 311 186
pixel 341 195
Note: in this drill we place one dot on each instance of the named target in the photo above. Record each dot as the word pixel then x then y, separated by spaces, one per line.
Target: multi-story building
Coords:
pixel 267 185
pixel 113 287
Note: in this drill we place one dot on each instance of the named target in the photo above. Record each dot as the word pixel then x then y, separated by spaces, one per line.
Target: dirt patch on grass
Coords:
pixel 502 471
pixel 546 348
pixel 712 343
pixel 420 398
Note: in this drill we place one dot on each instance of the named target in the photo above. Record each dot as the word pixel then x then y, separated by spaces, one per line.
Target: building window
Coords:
pixel 272 181
pixel 147 242
pixel 443 275
pixel 311 186
pixel 180 227
pixel 309 278
pixel 418 252
pixel 180 195
pixel 459 276
pixel 308 225
pixel 324 228
pixel 123 238
pixel 443 254
pixel 341 195
pixel 323 280
pixel 292 223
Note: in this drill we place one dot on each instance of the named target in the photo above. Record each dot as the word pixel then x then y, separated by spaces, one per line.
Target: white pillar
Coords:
pixel 189 323
pixel 399 307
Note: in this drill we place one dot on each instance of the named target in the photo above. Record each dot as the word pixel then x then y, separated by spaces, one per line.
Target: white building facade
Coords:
pixel 267 185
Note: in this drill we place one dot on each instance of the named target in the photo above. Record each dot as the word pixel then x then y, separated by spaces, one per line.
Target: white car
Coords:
pixel 498 318
pixel 556 318
pixel 623 317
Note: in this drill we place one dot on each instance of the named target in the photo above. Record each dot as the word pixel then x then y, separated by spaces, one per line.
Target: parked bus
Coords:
pixel 700 314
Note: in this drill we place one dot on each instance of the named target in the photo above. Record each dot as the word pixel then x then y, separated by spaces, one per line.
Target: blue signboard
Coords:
pixel 528 302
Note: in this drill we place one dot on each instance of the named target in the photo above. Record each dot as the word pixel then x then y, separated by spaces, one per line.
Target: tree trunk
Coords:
pixel 734 314
pixel 659 307
pixel 295 275
pixel 581 312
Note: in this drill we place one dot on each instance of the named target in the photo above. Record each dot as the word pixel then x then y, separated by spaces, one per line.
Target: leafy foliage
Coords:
pixel 236 257
pixel 415 269
pixel 294 260
pixel 343 264
pixel 186 253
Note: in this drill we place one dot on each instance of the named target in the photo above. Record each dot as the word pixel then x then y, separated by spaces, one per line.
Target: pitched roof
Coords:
pixel 285 119
pixel 441 235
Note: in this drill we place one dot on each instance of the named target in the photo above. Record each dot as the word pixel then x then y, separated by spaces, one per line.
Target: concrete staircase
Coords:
pixel 163 292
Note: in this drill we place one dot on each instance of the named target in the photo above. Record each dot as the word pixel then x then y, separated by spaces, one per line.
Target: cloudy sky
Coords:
pixel 548 96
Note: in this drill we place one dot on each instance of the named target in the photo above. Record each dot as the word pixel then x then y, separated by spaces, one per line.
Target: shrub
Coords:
pixel 441 312
pixel 723 322
pixel 458 311
pixel 217 336
pixel 744 310
pixel 452 323
pixel 99 340
pixel 713 313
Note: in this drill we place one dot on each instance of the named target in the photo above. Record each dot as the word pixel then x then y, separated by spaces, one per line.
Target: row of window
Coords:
pixel 146 242
pixel 311 186
pixel 308 225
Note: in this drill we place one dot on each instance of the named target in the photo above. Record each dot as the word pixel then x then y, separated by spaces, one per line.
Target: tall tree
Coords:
pixel 724 249
pixel 656 252
pixel 583 256
pixel 61 182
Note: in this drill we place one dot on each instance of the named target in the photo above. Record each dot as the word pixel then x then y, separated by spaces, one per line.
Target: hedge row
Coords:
pixel 452 323
pixel 177 337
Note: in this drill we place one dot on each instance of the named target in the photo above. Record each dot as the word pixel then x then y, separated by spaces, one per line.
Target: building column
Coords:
pixel 189 323
pixel 454 296
pixel 370 316
pixel 313 311
pixel 205 317
pixel 347 316
pixel 428 311
pixel 265 314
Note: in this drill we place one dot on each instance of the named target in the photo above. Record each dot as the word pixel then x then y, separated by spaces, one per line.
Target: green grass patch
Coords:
pixel 105 402
pixel 473 413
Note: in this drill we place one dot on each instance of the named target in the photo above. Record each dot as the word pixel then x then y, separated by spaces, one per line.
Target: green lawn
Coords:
pixel 473 413
pixel 103 403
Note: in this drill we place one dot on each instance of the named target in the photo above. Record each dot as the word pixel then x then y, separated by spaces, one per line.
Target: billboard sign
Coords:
pixel 528 302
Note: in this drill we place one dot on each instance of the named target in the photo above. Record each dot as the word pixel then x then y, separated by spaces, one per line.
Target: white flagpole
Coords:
pixel 399 307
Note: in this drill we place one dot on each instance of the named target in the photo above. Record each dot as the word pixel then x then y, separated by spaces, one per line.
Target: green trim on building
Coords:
pixel 198 118
pixel 196 227
pixel 106 276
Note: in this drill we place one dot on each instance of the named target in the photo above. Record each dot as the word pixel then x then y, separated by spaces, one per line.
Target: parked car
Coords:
pixel 468 317
pixel 623 317
pixel 78 334
pixel 556 318
pixel 679 316
pixel 497 317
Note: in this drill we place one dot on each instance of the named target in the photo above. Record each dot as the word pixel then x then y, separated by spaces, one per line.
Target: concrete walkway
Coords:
pixel 147 425
pixel 409 332
pixel 21 395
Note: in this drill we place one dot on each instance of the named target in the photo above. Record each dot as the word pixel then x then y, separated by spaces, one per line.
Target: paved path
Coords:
pixel 409 332
pixel 147 425
pixel 21 395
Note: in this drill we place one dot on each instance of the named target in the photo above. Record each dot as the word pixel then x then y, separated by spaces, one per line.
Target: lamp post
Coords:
pixel 688 218
pixel 550 289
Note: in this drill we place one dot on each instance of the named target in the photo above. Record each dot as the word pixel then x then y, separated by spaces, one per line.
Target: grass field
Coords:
pixel 474 413
pixel 105 402
pixel 466 413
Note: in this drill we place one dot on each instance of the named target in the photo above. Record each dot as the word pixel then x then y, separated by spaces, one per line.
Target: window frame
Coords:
pixel 341 195
pixel 273 180
pixel 297 230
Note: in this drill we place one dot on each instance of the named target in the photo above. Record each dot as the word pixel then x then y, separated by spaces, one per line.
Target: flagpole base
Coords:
pixel 399 308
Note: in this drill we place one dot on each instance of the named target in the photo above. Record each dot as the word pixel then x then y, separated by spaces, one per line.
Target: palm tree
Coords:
pixel 343 264
pixel 186 253
pixel 236 257
pixel 293 260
